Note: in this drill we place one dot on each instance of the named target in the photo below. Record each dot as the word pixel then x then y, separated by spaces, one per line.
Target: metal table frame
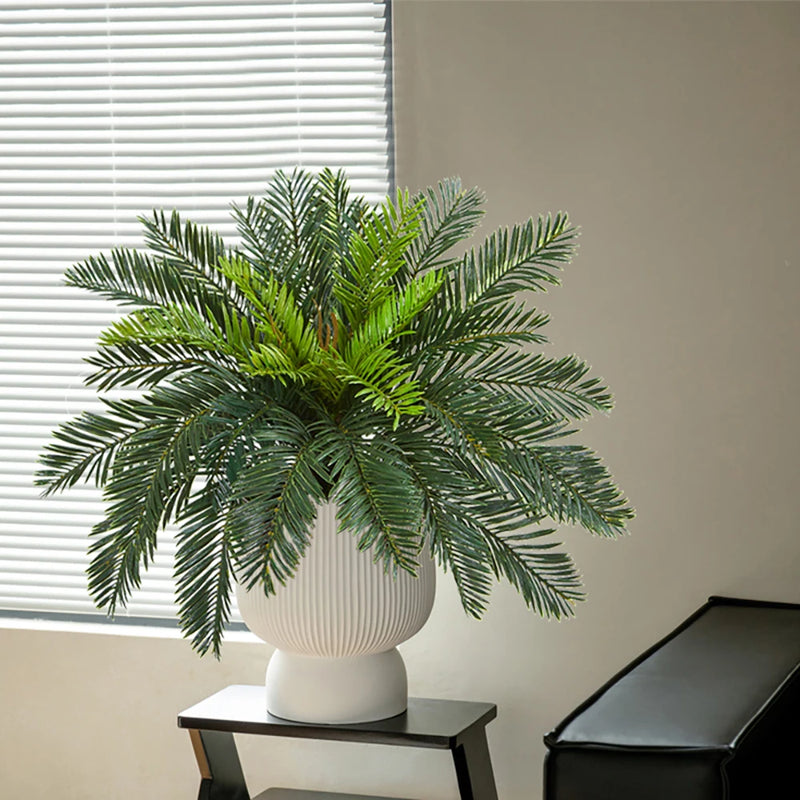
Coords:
pixel 453 725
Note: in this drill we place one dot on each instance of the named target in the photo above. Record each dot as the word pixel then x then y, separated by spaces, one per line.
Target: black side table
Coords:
pixel 442 724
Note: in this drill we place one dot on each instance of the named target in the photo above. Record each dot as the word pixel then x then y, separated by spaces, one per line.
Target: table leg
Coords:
pixel 474 767
pixel 221 776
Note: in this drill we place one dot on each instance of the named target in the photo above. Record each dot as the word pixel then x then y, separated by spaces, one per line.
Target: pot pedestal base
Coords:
pixel 336 691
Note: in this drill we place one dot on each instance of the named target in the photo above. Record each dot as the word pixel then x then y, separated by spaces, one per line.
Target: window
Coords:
pixel 112 108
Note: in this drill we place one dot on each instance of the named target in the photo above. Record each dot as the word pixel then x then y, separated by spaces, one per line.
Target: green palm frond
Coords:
pixel 462 551
pixel 84 449
pixel 341 353
pixel 375 491
pixel 389 320
pixel 450 215
pixel 191 248
pixel 133 278
pixel 514 447
pixel 279 319
pixel 154 343
pixel 148 364
pixel 547 579
pixel 193 251
pixel 344 216
pixel 446 484
pixel 152 469
pixel 171 325
pixel 368 361
pixel 204 568
pixel 376 252
pixel 274 506
pixel 559 387
pixel 526 258
pixel 477 333
pixel 573 485
pixel 278 228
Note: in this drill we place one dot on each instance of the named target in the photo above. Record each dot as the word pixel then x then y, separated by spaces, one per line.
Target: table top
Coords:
pixel 427 723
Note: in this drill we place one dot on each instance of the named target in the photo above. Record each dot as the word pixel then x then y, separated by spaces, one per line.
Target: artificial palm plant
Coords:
pixel 340 353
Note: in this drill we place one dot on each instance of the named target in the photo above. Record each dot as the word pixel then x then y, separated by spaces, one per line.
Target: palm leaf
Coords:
pixel 274 507
pixel 447 340
pixel 148 364
pixel 134 278
pixel 443 481
pixel 547 580
pixel 203 568
pixel 526 258
pixel 153 468
pixel 83 449
pixel 386 380
pixel 194 251
pixel 450 215
pixel 573 485
pixel 557 387
pixel 375 254
pixel 374 488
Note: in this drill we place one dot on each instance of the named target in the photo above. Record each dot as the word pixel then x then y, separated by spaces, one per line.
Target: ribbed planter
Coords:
pixel 336 626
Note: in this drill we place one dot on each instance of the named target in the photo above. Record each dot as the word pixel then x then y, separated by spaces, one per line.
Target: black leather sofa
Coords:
pixel 711 712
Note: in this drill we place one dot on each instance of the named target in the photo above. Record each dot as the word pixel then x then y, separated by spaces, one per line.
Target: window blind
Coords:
pixel 108 109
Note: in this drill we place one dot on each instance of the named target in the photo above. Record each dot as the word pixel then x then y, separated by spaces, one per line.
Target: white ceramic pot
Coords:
pixel 336 626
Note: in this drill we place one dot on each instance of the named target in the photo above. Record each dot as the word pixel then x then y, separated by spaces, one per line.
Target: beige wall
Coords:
pixel 669 132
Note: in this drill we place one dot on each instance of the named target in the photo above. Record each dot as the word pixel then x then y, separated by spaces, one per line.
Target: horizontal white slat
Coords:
pixel 139 99
pixel 331 69
pixel 60 574
pixel 252 119
pixel 79 183
pixel 63 544
pixel 203 149
pixel 18 561
pixel 273 14
pixel 151 168
pixel 18 319
pixel 10 410
pixel 72 369
pixel 20 139
pixel 270 144
pixel 307 42
pixel 24 489
pixel 147 50
pixel 20 502
pixel 78 592
pixel 141 199
pixel 43 602
pixel 197 9
pixel 331 27
pixel 45 525
pixel 44 345
pixel 19 384
pixel 21 561
pixel 21 454
pixel 325 83
pixel 10 474
pixel 80 607
pixel 147 8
